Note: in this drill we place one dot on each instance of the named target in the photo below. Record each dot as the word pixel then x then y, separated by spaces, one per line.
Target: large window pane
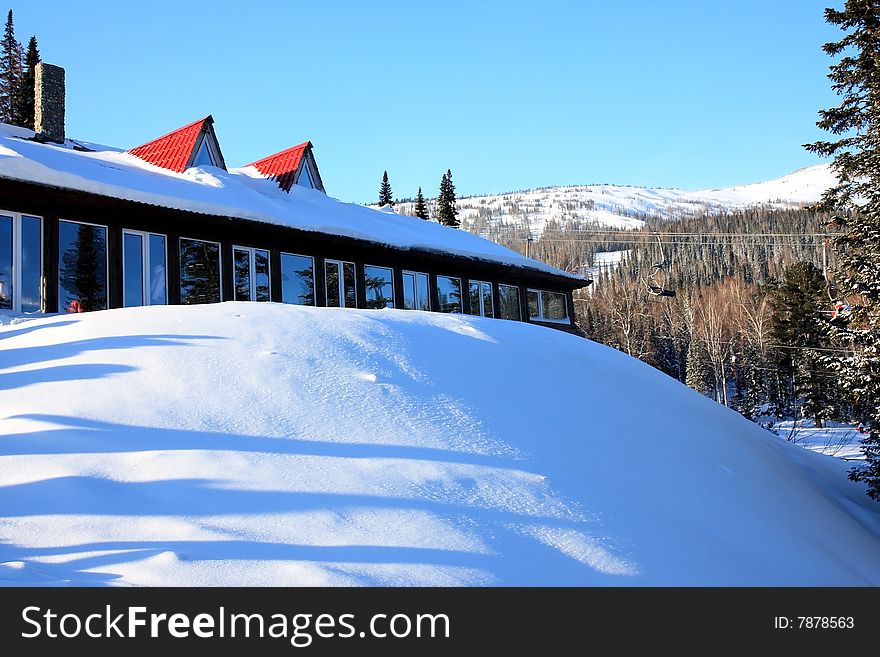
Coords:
pixel 488 310
pixel 508 297
pixel 379 287
pixel 242 263
pixel 199 271
pixel 409 290
pixel 297 279
pixel 334 298
pixel 415 291
pixel 133 269
pixel 82 267
pixel 474 295
pixel 350 284
pixel 423 299
pixel 157 282
pixel 449 294
pixel 261 275
pixel 534 305
pixel 31 264
pixel 6 262
pixel 553 305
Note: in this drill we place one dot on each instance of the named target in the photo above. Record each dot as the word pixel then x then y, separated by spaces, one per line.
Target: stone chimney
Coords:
pixel 49 102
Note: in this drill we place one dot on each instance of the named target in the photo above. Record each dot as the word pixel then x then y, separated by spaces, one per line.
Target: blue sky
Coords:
pixel 509 95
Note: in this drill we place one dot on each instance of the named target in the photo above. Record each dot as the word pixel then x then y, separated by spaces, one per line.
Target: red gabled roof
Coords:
pixel 283 166
pixel 174 150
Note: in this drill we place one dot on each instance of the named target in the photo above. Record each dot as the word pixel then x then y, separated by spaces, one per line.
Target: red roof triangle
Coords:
pixel 174 150
pixel 282 166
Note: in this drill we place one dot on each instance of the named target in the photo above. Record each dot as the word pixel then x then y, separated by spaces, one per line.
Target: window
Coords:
pixel 379 286
pixel 199 271
pixel 82 267
pixel 206 155
pixel 449 294
pixel 21 260
pixel 415 291
pixel 251 271
pixel 481 298
pixel 341 284
pixel 144 280
pixel 305 179
pixel 508 299
pixel 297 279
pixel 547 306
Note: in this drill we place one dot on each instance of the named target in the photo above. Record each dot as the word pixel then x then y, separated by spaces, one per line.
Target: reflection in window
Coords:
pixel 31 283
pixel 548 306
pixel 251 274
pixel 158 281
pixel 415 291
pixel 480 293
pixel 6 252
pixel 82 267
pixel 199 271
pixel 508 299
pixel 143 269
pixel 379 287
pixel 297 279
pixel 132 269
pixel 21 256
pixel 449 294
pixel 341 285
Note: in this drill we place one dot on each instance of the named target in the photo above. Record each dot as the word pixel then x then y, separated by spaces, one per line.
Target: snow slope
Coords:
pixel 621 206
pixel 240 193
pixel 248 444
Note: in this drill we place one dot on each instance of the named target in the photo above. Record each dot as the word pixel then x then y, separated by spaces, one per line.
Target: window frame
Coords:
pixel 106 257
pixel 314 278
pixel 481 311
pixel 519 311
pixel 540 316
pixel 219 268
pixel 341 281
pixel 145 254
pixel 17 260
pixel 393 300
pixel 415 275
pixel 460 294
pixel 252 268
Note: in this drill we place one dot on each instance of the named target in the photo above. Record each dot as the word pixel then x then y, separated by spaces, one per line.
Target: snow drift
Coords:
pixel 261 444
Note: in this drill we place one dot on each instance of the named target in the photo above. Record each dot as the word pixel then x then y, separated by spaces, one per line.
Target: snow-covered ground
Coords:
pixel 621 206
pixel 248 444
pixel 835 438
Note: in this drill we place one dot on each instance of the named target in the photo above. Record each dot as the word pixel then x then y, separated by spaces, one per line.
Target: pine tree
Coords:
pixel 855 201
pixel 83 272
pixel 385 195
pixel 25 95
pixel 447 213
pixel 421 208
pixel 10 72
pixel 797 304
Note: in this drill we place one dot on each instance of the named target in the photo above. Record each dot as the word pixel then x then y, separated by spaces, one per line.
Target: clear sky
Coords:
pixel 509 95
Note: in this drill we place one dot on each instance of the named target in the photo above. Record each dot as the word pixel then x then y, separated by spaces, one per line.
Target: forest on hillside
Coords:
pixel 750 322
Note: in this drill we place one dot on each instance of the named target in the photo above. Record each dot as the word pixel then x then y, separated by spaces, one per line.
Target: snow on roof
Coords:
pixel 241 193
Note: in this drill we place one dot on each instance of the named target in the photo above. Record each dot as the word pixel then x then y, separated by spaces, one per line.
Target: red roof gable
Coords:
pixel 174 150
pixel 283 166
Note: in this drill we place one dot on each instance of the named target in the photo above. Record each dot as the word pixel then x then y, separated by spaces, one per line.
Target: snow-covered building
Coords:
pixel 88 227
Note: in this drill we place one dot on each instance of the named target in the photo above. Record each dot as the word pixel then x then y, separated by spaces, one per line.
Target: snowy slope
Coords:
pixel 241 193
pixel 268 444
pixel 620 206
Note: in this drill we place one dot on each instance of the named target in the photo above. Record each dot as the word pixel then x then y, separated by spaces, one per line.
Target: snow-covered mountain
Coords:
pixel 264 444
pixel 625 207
